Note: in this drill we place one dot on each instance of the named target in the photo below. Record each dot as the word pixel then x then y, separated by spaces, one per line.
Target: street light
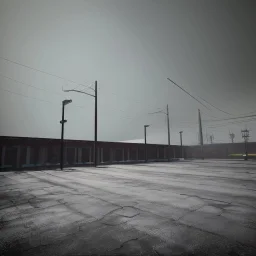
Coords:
pixel 181 144
pixel 145 135
pixel 95 96
pixel 63 121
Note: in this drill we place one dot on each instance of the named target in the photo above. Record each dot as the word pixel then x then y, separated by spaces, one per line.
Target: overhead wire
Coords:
pixel 229 123
pixel 215 107
pixel 26 96
pixel 20 82
pixel 62 78
pixel 188 93
pixel 42 71
pixel 46 90
pixel 90 87
pixel 34 98
pixel 199 97
pixel 232 118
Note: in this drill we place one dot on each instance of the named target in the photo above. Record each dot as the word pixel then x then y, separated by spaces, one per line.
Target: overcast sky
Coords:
pixel 130 47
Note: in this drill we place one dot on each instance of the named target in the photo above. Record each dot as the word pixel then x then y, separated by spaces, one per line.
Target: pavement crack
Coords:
pixel 124 243
pixel 190 212
pixel 109 213
pixel 114 225
pixel 204 198
pixel 129 216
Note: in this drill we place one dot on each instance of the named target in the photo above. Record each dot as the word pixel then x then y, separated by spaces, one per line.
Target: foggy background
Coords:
pixel 130 47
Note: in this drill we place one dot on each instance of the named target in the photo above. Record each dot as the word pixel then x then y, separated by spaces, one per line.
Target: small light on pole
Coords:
pixel 66 102
pixel 63 121
pixel 145 135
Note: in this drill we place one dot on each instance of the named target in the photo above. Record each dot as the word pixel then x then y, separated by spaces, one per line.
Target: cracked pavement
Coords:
pixel 179 208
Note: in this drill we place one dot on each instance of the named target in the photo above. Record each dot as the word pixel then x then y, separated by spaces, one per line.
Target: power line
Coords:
pixel 226 119
pixel 42 89
pixel 228 124
pixel 25 95
pixel 208 114
pixel 17 81
pixel 130 99
pixel 188 93
pixel 200 98
pixel 235 122
pixel 248 113
pixel 83 107
pixel 42 71
pixel 29 97
pixel 215 107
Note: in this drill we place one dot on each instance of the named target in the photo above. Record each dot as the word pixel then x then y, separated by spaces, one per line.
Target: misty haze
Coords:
pixel 127 127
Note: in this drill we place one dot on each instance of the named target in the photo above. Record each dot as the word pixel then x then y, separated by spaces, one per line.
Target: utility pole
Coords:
pixel 232 136
pixel 245 135
pixel 63 121
pixel 168 127
pixel 96 125
pixel 201 134
pixel 95 118
pixel 211 138
pixel 145 136
pixel 181 148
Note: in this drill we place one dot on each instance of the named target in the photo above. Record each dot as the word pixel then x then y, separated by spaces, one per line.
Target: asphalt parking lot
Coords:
pixel 179 208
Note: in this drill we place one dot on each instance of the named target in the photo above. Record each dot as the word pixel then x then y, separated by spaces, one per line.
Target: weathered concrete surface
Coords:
pixel 186 208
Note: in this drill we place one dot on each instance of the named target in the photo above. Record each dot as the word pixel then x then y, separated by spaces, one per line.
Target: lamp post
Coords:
pixel 63 121
pixel 145 135
pixel 95 96
pixel 181 148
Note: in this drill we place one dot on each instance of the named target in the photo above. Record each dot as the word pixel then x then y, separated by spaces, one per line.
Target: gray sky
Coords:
pixel 130 47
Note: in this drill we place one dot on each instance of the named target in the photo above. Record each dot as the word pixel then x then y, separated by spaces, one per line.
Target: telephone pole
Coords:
pixel 168 127
pixel 145 137
pixel 181 147
pixel 201 134
pixel 95 117
pixel 96 125
pixel 245 135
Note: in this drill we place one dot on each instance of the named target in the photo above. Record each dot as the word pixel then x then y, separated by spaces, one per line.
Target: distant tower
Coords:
pixel 232 136
pixel 245 135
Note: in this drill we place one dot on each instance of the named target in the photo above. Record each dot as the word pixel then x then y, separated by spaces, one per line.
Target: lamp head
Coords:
pixel 65 102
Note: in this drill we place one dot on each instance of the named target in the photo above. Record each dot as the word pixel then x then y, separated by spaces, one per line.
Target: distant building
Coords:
pixel 25 152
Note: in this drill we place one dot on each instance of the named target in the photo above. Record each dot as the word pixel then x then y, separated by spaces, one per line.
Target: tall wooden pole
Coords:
pixel 168 127
pixel 201 134
pixel 96 126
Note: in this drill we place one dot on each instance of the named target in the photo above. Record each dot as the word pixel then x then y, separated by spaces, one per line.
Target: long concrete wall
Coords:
pixel 221 151
pixel 20 152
